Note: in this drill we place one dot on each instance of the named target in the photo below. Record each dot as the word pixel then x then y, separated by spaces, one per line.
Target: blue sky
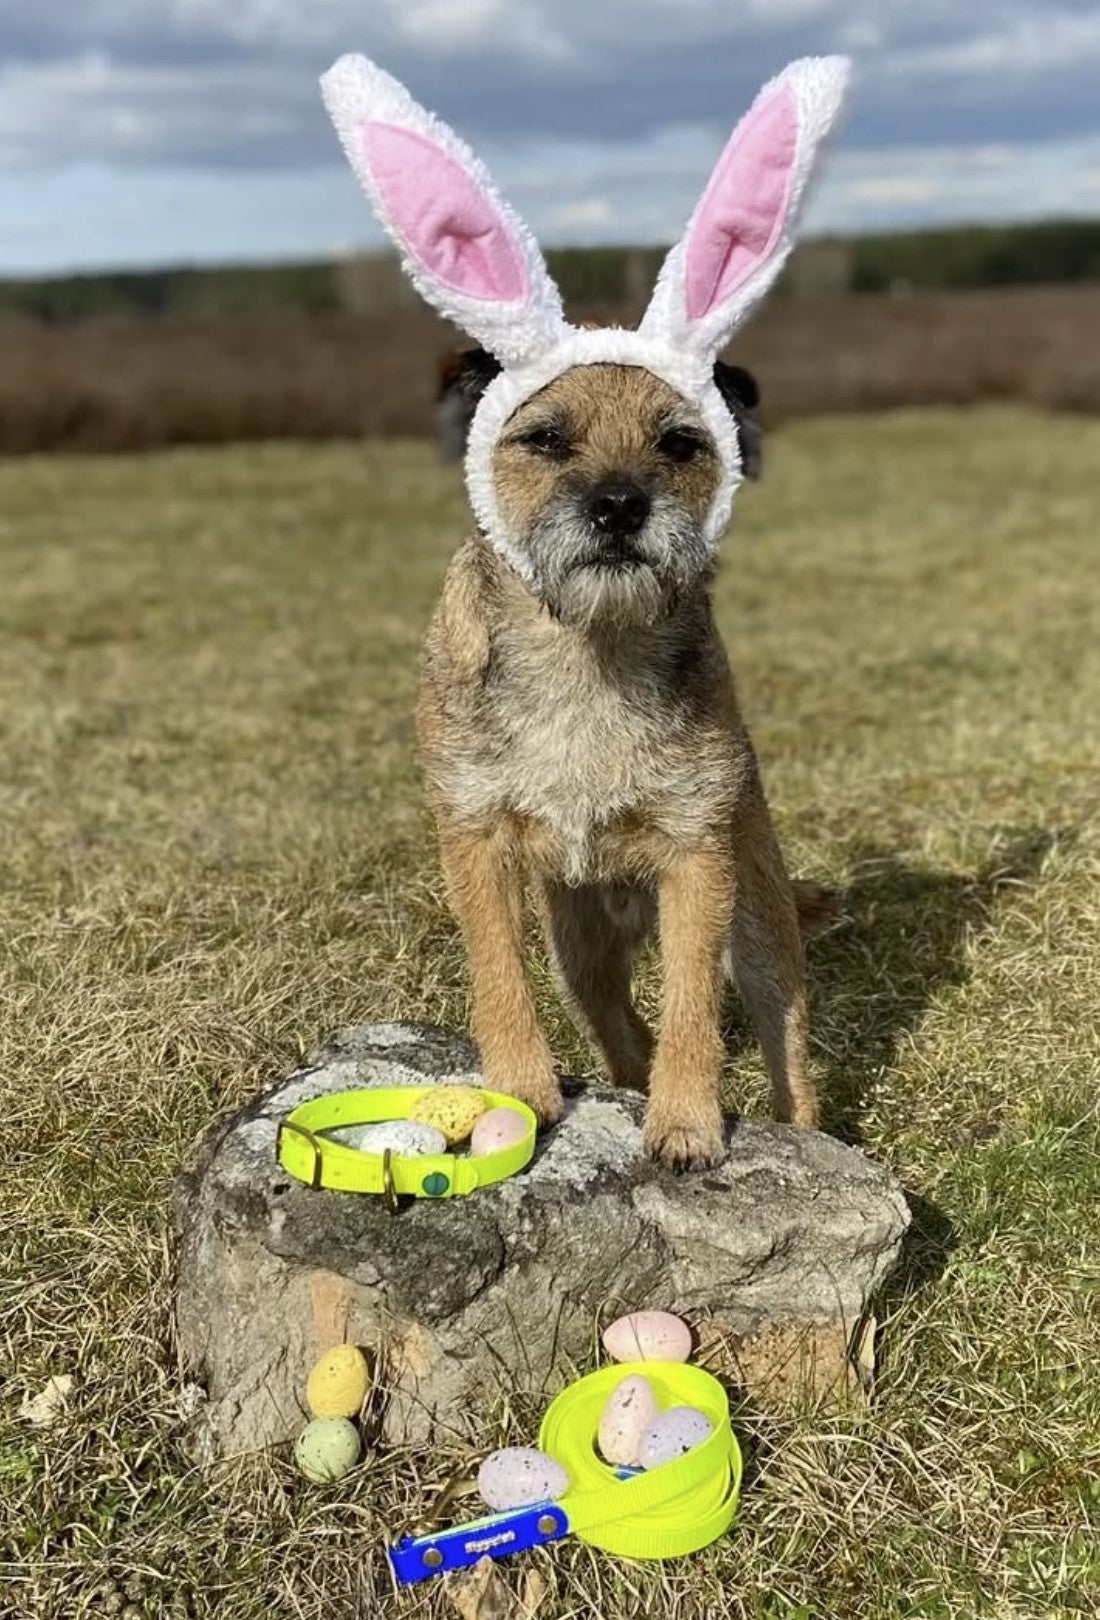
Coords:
pixel 143 132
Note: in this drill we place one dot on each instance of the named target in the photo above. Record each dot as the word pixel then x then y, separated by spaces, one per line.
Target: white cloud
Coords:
pixel 890 192
pixel 601 116
pixel 580 215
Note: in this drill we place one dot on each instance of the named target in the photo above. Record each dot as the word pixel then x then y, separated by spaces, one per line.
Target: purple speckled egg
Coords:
pixel 629 1412
pixel 519 1475
pixel 497 1129
pixel 670 1435
pixel 648 1336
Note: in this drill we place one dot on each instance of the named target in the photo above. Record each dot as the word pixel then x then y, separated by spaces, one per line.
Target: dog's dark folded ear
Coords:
pixel 467 373
pixel 737 386
pixel 464 375
pixel 741 393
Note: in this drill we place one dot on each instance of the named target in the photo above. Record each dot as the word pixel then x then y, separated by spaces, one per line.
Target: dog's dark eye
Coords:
pixel 680 444
pixel 546 441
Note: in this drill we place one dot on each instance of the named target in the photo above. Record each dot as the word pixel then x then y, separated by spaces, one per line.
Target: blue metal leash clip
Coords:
pixel 418 1558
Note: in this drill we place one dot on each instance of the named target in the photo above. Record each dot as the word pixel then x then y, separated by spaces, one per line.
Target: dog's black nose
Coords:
pixel 618 506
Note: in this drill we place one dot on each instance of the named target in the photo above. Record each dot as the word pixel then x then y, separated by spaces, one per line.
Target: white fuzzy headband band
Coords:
pixel 476 261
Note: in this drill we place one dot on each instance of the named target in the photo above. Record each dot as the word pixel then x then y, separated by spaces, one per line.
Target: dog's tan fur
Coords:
pixel 599 757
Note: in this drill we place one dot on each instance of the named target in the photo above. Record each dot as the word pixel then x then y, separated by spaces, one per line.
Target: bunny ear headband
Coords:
pixel 472 257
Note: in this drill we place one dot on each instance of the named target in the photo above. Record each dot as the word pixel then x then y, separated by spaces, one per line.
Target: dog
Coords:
pixel 583 736
pixel 577 721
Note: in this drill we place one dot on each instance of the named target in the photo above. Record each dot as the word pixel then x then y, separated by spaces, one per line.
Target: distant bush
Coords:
pixel 127 383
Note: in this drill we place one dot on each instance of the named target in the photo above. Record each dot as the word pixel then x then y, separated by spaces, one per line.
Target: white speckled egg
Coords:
pixel 630 1410
pixel 404 1136
pixel 498 1129
pixel 519 1475
pixel 671 1434
pixel 648 1336
pixel 327 1449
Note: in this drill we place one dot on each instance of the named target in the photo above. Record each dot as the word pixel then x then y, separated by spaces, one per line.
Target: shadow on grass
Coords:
pixel 901 937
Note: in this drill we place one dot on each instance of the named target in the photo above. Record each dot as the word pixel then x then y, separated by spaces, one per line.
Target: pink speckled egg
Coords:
pixel 648 1336
pixel 519 1475
pixel 497 1129
pixel 629 1412
pixel 670 1435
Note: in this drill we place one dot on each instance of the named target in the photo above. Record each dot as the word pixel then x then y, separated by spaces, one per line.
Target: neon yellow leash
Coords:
pixel 671 1510
pixel 306 1153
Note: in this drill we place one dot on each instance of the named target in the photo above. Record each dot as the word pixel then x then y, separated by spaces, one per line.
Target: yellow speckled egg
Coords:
pixel 327 1449
pixel 454 1110
pixel 339 1383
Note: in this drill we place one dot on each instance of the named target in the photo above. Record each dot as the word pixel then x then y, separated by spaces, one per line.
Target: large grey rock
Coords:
pixel 510 1285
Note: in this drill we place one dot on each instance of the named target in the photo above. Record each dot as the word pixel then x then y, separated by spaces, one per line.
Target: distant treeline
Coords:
pixel 959 257
pixel 978 256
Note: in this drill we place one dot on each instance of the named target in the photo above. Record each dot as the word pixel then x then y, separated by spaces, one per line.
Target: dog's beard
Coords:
pixel 582 583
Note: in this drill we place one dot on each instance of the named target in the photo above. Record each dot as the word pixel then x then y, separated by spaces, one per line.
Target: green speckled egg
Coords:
pixel 327 1449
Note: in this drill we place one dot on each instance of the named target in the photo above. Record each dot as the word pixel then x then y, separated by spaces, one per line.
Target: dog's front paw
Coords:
pixel 681 1140
pixel 806 1112
pixel 538 1088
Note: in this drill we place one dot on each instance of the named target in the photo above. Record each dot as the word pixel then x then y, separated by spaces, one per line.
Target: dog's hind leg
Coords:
pixel 591 932
pixel 767 963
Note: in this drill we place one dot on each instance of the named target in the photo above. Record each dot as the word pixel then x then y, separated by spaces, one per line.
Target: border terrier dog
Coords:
pixel 578 725
pixel 581 736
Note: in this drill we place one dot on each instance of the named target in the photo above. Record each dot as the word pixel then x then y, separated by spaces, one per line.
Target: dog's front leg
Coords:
pixel 683 1122
pixel 485 881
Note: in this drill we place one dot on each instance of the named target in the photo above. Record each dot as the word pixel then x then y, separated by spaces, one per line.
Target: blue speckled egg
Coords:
pixel 670 1435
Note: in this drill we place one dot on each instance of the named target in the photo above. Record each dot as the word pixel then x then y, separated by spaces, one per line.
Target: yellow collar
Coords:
pixel 308 1155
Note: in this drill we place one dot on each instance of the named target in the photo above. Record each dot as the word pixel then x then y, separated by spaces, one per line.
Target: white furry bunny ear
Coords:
pixel 743 228
pixel 462 245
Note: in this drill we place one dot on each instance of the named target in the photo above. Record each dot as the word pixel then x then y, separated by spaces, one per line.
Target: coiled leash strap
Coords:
pixel 670 1511
pixel 310 1156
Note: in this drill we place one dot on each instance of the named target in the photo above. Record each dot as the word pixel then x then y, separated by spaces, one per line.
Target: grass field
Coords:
pixel 215 850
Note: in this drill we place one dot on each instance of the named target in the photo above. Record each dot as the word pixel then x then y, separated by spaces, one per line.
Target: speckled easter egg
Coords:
pixel 671 1434
pixel 519 1475
pixel 497 1129
pixel 648 1336
pixel 327 1449
pixel 630 1410
pixel 339 1383
pixel 406 1137
pixel 454 1110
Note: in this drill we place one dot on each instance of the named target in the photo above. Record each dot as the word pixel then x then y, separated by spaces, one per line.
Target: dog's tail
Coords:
pixel 817 907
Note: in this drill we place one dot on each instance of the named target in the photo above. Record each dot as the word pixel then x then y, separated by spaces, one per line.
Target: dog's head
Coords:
pixel 601 464
pixel 605 478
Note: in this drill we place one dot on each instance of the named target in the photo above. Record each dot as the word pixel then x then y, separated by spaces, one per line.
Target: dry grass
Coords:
pixel 131 384
pixel 215 850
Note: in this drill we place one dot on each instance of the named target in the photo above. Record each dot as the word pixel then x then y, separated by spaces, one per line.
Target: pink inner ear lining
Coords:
pixel 443 216
pixel 745 205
